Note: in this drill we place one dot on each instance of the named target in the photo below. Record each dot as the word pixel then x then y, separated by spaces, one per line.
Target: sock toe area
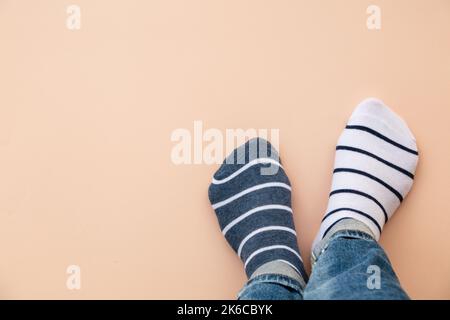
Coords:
pixel 256 160
pixel 253 149
pixel 383 120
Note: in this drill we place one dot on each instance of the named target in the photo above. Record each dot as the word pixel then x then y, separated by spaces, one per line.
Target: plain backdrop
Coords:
pixel 86 176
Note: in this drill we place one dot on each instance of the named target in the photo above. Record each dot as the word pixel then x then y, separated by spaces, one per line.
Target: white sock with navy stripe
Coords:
pixel 374 168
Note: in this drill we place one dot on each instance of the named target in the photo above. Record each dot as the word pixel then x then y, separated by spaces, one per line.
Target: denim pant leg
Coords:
pixel 352 265
pixel 271 287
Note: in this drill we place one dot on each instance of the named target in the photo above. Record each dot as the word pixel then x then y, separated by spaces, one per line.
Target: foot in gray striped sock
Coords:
pixel 251 196
pixel 374 168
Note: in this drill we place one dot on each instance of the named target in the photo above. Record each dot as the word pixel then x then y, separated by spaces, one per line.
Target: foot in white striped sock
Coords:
pixel 374 168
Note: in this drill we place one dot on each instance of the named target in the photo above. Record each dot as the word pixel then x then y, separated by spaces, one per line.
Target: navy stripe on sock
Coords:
pixel 348 148
pixel 352 210
pixel 368 175
pixel 332 225
pixel 363 194
pixel 383 137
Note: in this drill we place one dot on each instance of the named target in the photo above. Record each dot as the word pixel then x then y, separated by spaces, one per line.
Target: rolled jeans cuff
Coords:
pixel 322 246
pixel 277 279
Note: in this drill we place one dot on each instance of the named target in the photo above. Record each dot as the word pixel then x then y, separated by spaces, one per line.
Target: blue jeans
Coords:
pixel 351 266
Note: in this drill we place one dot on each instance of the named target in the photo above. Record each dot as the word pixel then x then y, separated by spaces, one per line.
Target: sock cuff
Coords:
pixel 346 224
pixel 281 267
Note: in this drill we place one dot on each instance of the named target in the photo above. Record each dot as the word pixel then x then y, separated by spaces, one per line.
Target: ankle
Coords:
pixel 283 268
pixel 344 224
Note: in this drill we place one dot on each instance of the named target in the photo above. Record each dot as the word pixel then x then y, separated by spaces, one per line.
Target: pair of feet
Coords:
pixel 375 161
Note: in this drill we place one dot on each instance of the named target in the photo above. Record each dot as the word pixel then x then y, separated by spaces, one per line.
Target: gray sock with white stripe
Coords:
pixel 374 168
pixel 251 196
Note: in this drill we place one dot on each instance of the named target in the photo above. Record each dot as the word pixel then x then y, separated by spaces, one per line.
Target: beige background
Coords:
pixel 86 176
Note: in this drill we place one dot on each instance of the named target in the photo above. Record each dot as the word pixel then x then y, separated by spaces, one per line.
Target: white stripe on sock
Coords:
pixel 260 230
pixel 274 247
pixel 251 189
pixel 252 211
pixel 248 165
